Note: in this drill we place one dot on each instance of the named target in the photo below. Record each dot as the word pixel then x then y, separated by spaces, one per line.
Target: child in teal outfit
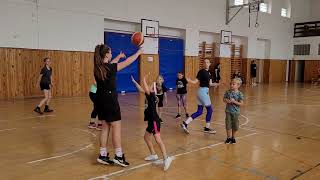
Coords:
pixel 233 99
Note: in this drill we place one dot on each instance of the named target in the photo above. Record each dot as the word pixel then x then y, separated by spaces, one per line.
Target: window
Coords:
pixel 284 12
pixel 238 2
pixel 301 49
pixel 263 7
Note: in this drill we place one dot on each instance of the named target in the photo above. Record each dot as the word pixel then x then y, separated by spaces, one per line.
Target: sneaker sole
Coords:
pixel 184 129
pixel 165 168
pixel 91 127
pixel 151 159
pixel 208 132
pixel 103 162
pixel 118 163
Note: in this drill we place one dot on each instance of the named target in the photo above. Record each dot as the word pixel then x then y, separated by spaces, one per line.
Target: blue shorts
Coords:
pixel 203 96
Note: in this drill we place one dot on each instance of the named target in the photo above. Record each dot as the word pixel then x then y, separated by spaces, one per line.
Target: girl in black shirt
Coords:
pixel 107 101
pixel 205 81
pixel 151 116
pixel 45 85
pixel 161 94
pixel 181 84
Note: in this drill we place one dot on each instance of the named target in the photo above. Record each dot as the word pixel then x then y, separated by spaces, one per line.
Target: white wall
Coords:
pixel 124 26
pixel 18 25
pixel 315 10
pixel 79 24
pixel 57 25
pixel 301 10
pixel 314 46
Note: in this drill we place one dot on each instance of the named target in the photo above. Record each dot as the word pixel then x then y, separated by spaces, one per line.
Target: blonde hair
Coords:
pixel 237 80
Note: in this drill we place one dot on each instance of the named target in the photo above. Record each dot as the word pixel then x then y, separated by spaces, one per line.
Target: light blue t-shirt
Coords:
pixel 93 88
pixel 238 96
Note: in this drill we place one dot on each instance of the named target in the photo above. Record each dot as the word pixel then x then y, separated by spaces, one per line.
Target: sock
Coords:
pixel 188 121
pixel 103 151
pixel 92 121
pixel 208 125
pixel 119 152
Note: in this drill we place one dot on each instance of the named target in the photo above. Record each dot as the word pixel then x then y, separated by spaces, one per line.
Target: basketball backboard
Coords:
pixel 150 31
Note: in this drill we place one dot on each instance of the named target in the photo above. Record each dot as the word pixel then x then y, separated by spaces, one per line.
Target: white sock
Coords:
pixel 119 152
pixel 188 121
pixel 103 151
pixel 208 125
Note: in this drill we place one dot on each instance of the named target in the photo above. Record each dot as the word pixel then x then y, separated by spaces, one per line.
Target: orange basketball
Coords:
pixel 137 38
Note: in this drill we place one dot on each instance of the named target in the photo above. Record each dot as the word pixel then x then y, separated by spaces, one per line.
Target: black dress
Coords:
pixel 107 98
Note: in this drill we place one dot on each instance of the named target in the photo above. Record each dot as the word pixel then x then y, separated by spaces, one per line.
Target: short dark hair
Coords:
pixel 45 59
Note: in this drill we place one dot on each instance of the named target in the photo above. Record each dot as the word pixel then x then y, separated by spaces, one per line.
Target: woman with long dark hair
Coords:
pixel 107 102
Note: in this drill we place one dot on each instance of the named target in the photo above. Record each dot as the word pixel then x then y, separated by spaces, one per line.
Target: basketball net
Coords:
pixel 254 7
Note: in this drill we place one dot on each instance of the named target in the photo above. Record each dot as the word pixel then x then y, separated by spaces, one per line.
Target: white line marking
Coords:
pixel 55 157
pixel 40 116
pixel 177 155
pixel 94 135
pixel 246 118
pixel 31 117
pixel 1 130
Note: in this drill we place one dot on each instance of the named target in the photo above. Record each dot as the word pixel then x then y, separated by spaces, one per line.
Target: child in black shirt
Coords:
pixel 181 84
pixel 151 116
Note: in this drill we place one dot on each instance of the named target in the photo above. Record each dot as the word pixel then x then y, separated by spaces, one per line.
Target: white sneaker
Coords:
pixel 167 163
pixel 151 157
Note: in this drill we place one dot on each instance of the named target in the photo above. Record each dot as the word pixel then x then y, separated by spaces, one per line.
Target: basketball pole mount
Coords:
pixel 230 17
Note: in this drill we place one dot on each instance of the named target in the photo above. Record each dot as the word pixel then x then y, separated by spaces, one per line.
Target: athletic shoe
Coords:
pixel 105 160
pixel 38 110
pixel 92 126
pixel 184 126
pixel 151 157
pixel 233 141
pixel 178 116
pixel 121 161
pixel 187 115
pixel 161 121
pixel 167 163
pixel 209 131
pixel 228 141
pixel 99 127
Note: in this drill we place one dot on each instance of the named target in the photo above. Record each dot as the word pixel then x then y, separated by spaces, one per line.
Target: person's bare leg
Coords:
pixel 148 140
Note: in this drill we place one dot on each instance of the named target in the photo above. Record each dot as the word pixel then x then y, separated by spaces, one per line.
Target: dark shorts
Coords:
pixel 160 103
pixel 253 74
pixel 153 127
pixel 108 106
pixel 44 86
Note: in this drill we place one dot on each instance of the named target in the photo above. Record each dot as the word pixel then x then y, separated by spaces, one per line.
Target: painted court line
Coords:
pixel 1 130
pixel 30 117
pixel 86 131
pixel 60 156
pixel 177 155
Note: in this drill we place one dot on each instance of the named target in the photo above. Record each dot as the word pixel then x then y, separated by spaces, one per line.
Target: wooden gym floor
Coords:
pixel 279 139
